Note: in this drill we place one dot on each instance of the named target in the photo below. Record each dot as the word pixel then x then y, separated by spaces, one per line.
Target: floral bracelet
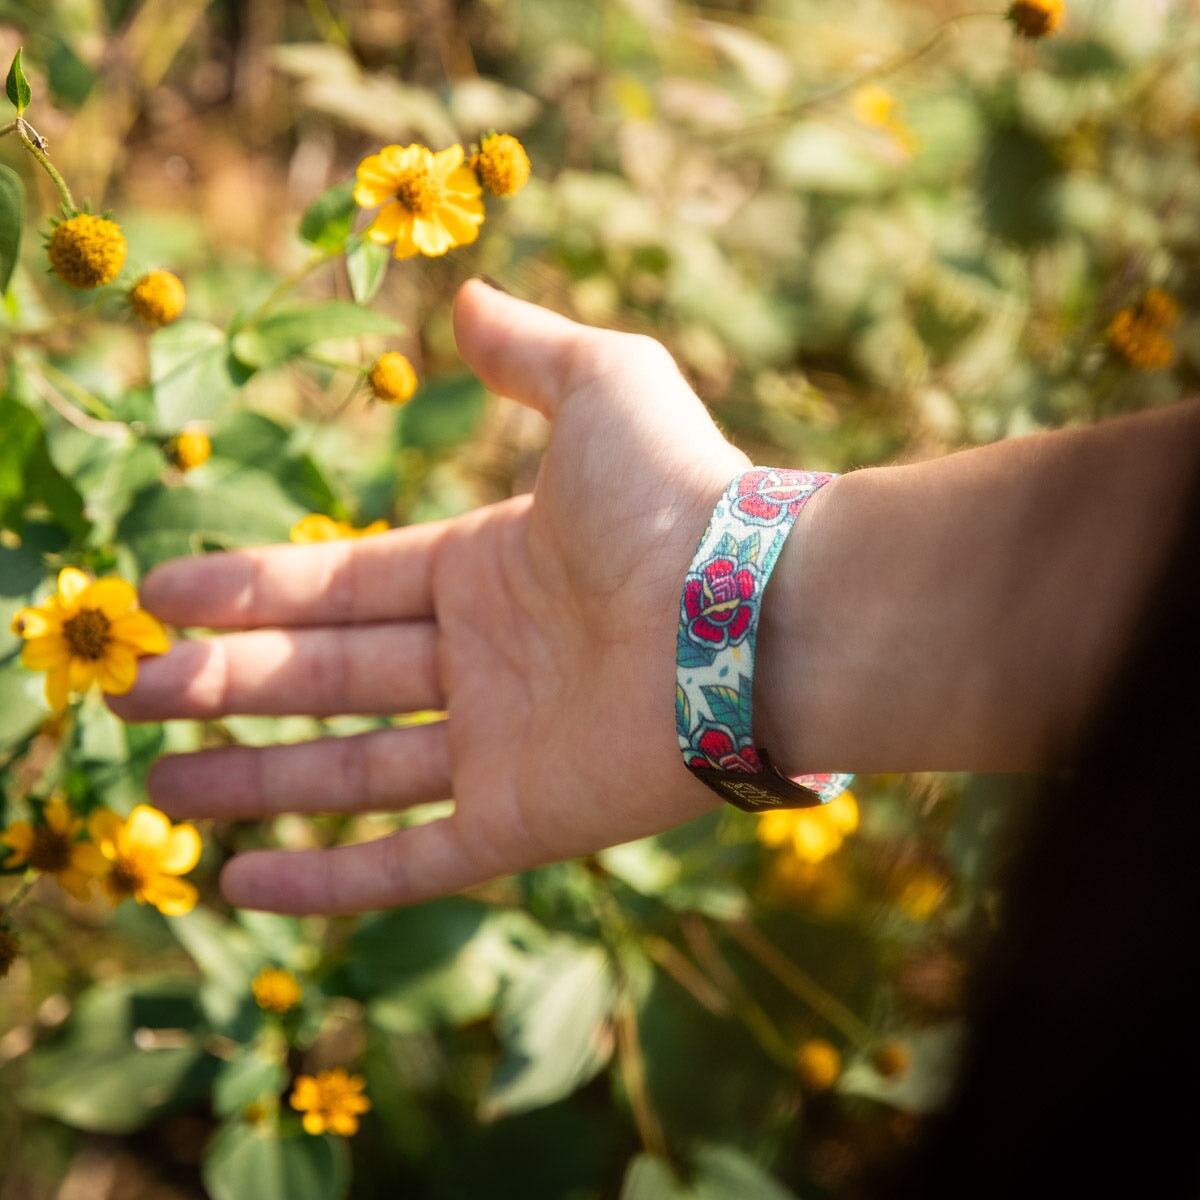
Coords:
pixel 718 625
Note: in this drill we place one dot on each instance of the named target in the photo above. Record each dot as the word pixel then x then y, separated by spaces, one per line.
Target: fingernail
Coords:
pixel 492 283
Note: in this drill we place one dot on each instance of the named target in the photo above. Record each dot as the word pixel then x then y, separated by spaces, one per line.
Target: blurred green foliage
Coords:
pixel 848 277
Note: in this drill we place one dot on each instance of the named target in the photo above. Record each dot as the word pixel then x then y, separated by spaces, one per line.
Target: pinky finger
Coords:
pixel 415 864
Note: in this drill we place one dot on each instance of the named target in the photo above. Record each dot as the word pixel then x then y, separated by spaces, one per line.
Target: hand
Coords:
pixel 544 626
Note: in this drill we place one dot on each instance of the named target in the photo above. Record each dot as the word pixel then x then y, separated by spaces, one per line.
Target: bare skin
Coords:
pixel 545 627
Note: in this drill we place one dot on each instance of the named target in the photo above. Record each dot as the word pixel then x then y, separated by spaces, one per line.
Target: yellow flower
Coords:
pixel 158 297
pixel 330 1100
pixel 86 251
pixel 146 854
pixel 89 631
pixel 501 164
pixel 811 834
pixel 1139 333
pixel 317 527
pixel 51 847
pixel 431 202
pixel 392 378
pixel 877 107
pixel 818 1064
pixel 10 949
pixel 275 990
pixel 1036 18
pixel 188 449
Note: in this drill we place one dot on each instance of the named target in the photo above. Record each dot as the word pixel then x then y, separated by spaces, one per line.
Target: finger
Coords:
pixel 404 868
pixel 365 772
pixel 375 578
pixel 369 669
pixel 517 349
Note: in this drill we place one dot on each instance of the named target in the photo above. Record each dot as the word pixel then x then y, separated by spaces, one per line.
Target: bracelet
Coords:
pixel 718 625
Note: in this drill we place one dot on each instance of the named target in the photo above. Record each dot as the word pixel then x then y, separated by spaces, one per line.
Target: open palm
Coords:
pixel 543 625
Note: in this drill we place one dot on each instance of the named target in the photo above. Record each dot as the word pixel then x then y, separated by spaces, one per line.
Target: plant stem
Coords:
pixel 36 145
pixel 31 877
pixel 801 985
pixel 633 1072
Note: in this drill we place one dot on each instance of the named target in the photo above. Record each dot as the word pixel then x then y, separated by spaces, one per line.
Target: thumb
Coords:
pixel 518 349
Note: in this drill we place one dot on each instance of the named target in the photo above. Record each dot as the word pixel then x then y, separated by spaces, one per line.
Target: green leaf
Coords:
pixel 286 333
pixel 192 372
pixel 241 508
pixel 17 86
pixel 718 1173
pixel 246 1079
pixel 328 219
pixel 554 1024
pixel 12 222
pixel 442 415
pixel 366 265
pixel 95 1076
pixel 254 1160
pixel 21 705
pixel 444 962
pixel 28 475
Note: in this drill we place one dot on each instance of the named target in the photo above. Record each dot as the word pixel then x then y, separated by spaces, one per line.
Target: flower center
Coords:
pixel 87 634
pixel 51 851
pixel 420 191
pixel 125 879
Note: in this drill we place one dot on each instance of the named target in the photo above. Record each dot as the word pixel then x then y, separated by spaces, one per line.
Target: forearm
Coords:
pixel 967 613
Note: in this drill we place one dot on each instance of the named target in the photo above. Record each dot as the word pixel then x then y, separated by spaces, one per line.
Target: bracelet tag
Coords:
pixel 759 791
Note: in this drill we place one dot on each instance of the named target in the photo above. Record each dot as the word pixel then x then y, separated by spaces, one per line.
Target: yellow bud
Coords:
pixel 818 1064
pixel 86 251
pixel 501 164
pixel 158 297
pixel 189 449
pixel 392 378
pixel 1036 18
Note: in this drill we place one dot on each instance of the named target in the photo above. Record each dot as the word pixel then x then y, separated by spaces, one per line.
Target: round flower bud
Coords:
pixel 392 378
pixel 501 164
pixel 189 449
pixel 818 1064
pixel 891 1059
pixel 86 251
pixel 1036 18
pixel 158 297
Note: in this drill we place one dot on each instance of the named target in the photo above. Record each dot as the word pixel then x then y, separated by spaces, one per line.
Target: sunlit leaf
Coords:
pixel 327 221
pixel 12 222
pixel 255 1160
pixel 554 1024
pixel 285 333
pixel 16 86
pixel 366 265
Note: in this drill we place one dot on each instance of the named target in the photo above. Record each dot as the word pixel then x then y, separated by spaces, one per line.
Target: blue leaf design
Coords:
pixel 729 706
pixel 689 654
pixel 683 713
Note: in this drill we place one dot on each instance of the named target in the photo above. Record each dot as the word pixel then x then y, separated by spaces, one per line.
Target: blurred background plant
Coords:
pixel 868 232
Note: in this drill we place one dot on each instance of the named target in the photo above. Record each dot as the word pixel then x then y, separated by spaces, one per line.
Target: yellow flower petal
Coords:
pixel 431 237
pixel 19 838
pixel 117 670
pixel 86 857
pixel 75 883
pixel 58 815
pixel 113 597
pixel 146 828
pixel 448 160
pixel 72 583
pixel 172 897
pixel 81 673
pixel 392 221
pixel 344 1124
pixel 37 622
pixel 182 851
pixel 104 827
pixel 58 687
pixel 142 632
pixel 45 653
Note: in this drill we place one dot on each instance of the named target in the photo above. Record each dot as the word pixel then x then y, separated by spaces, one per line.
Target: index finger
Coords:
pixel 387 576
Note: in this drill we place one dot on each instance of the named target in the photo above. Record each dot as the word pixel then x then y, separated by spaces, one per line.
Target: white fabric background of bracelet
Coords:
pixel 718 626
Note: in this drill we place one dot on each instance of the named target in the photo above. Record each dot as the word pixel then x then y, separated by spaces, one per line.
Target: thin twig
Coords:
pixel 113 430
pixel 801 985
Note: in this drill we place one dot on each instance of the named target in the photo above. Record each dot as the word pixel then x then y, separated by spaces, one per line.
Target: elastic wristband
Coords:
pixel 718 626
